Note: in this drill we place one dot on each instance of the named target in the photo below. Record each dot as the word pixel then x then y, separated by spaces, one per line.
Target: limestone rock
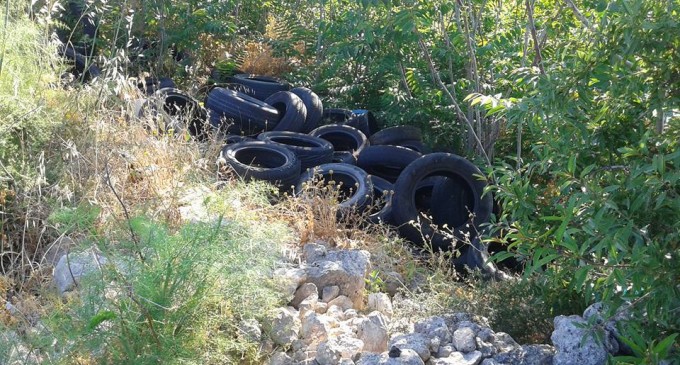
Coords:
pixel 567 338
pixel 373 332
pixel 464 339
pixel 434 327
pixel 344 268
pixel 289 279
pixel 303 292
pixel 73 266
pixel 284 327
pixel 380 302
pixel 413 341
pixel 280 358
pixel 315 328
pixel 459 358
pixel 329 293
pixel 342 302
pixel 527 355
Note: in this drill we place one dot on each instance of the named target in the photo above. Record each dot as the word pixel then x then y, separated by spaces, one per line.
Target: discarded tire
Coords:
pixel 381 207
pixel 364 121
pixel 354 184
pixel 311 151
pixel 404 210
pixel 292 111
pixel 175 109
pixel 344 157
pixel 82 69
pixel 386 162
pixel 262 86
pixel 455 202
pixel 263 161
pixel 335 116
pixel 396 135
pixel 151 84
pixel 248 115
pixel 313 105
pixel 342 137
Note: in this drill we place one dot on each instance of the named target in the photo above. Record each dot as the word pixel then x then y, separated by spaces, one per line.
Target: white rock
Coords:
pixel 284 326
pixel 459 358
pixel 329 293
pixel 572 348
pixel 414 341
pixel 289 279
pixel 342 302
pixel 250 330
pixel 346 269
pixel 303 292
pixel 464 339
pixel 373 332
pixel 72 267
pixel 434 327
pixel 315 328
pixel 380 302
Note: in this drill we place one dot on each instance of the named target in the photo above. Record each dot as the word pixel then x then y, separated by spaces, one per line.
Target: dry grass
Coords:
pixel 258 58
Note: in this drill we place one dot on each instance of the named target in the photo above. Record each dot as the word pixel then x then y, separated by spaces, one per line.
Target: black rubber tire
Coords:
pixel 414 145
pixel 396 135
pixel 404 209
pixel 263 161
pixel 344 157
pixel 335 116
pixel 292 111
pixel 249 115
pixel 311 151
pixel 313 105
pixel 342 137
pixel 364 121
pixel 386 162
pixel 151 84
pixel 381 207
pixel 184 111
pixel 233 139
pixel 262 86
pixel 454 202
pixel 356 189
pixel 82 69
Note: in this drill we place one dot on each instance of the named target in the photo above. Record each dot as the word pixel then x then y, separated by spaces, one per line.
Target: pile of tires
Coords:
pixel 284 136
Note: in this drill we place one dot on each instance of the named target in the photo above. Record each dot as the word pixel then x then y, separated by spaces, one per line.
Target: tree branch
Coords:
pixel 538 60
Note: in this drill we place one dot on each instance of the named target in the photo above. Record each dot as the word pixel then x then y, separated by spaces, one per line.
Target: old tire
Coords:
pixel 356 189
pixel 262 86
pixel 248 115
pixel 292 111
pixel 263 161
pixel 311 151
pixel 386 162
pixel 313 105
pixel 404 208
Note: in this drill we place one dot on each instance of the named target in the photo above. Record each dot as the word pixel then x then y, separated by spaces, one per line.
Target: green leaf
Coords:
pixel 99 318
pixel 664 347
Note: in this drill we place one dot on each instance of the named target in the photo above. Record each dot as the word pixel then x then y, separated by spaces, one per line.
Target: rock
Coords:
pixel 471 325
pixel 489 362
pixel 328 353
pixel 335 349
pixel 367 358
pixel 309 304
pixel 303 292
pixel 280 358
pixel 312 252
pixel 249 329
pixel 16 352
pixel 72 267
pixel 345 268
pixel 342 302
pixel 486 334
pixel 595 313
pixel 393 282
pixel 406 357
pixel 380 302
pixel 60 247
pixel 434 327
pixel 567 338
pixel 459 358
pixel 414 341
pixel 330 293
pixel 315 328
pixel 487 349
pixel 504 342
pixel 285 327
pixel 527 355
pixel 321 307
pixel 349 314
pixel 289 279
pixel 192 206
pixel 373 332
pixel 464 339
pixel 445 351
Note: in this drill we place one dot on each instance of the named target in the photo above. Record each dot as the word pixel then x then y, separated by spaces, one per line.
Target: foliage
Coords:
pixel 180 303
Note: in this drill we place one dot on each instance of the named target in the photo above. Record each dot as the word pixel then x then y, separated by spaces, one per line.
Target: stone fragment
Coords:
pixel 72 267
pixel 303 292
pixel 380 302
pixel 527 355
pixel 342 302
pixel 284 327
pixel 434 327
pixel 459 358
pixel 280 358
pixel 413 341
pixel 344 268
pixel 289 279
pixel 373 332
pixel 315 328
pixel 464 339
pixel 330 293
pixel 575 345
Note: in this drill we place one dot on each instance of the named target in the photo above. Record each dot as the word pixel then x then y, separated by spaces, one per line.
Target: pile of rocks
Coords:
pixel 328 323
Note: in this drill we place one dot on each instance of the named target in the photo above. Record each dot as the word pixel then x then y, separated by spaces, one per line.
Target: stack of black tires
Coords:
pixel 283 135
